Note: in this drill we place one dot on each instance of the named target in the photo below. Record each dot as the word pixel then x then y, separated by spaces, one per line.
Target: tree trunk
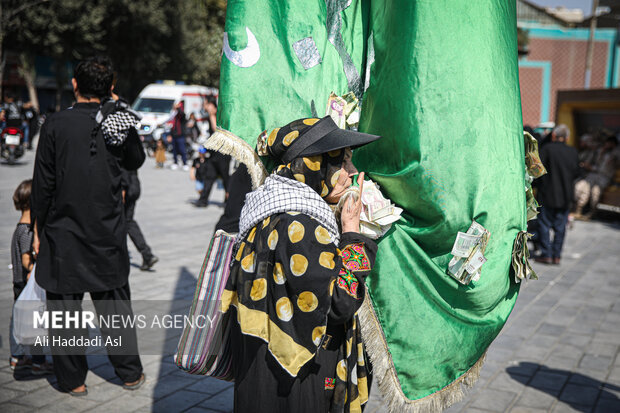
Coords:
pixel 27 71
pixel 60 82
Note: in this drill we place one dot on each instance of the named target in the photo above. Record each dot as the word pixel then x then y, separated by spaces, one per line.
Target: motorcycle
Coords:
pixel 11 144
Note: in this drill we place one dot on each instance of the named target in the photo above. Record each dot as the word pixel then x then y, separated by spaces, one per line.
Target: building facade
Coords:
pixel 556 60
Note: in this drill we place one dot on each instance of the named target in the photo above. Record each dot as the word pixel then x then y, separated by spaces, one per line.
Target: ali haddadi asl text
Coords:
pixel 58 341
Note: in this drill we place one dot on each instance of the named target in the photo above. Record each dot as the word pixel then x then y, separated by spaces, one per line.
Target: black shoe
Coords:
pixel 199 204
pixel 148 263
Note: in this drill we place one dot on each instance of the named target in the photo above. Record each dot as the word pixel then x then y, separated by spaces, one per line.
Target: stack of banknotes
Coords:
pixel 344 110
pixel 378 213
pixel 534 168
pixel 468 254
pixel 520 258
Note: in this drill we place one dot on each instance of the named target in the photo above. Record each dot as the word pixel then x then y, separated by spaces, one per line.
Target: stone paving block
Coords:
pixel 506 341
pixel 522 409
pixel 554 330
pixel 610 391
pixel 607 336
pixel 570 408
pixel 6 376
pixel 550 382
pixel 9 407
pixel 210 386
pixel 535 398
pixel 554 362
pixel 599 348
pixel 500 355
pixel 522 368
pixel 591 378
pixel 607 406
pixel 8 395
pixel 70 404
pixel 221 402
pixel 582 395
pixel 494 400
pixel 179 401
pixel 164 386
pixel 594 362
pixel 28 384
pixel 40 397
pixel 509 382
pixel 579 326
pixel 568 351
pixel 128 402
pixel 614 375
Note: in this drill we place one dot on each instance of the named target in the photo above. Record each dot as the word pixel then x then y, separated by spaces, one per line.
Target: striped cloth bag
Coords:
pixel 204 351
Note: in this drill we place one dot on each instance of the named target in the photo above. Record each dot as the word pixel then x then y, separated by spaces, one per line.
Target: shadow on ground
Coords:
pixel 577 390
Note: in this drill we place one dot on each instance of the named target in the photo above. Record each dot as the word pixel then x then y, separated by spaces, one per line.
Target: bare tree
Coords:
pixel 9 9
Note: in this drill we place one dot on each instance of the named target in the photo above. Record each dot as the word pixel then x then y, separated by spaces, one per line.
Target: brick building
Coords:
pixel 556 60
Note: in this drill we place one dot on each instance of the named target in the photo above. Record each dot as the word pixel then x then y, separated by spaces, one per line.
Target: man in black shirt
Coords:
pixel 555 193
pixel 13 112
pixel 80 227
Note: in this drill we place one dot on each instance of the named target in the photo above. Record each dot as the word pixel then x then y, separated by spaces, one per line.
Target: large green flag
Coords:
pixel 439 81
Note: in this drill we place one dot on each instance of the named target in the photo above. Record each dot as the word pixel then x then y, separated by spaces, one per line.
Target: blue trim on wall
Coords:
pixel 570 34
pixel 616 69
pixel 583 34
pixel 545 92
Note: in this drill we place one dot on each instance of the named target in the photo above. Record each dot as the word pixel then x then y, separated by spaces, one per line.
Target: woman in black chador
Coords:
pixel 297 280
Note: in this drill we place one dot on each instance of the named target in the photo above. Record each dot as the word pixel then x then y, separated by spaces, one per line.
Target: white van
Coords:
pixel 156 102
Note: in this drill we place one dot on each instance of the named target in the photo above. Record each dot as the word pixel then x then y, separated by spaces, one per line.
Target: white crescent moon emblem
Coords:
pixel 246 57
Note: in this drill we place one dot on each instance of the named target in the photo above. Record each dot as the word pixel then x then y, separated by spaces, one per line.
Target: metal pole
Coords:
pixel 590 52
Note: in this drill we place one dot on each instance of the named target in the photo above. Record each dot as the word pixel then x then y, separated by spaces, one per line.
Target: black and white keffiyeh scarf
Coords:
pixel 279 194
pixel 116 119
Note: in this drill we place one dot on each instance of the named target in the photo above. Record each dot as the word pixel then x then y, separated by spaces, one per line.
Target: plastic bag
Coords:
pixel 31 300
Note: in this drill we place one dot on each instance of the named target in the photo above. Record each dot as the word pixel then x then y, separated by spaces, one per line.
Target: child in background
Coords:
pixel 160 153
pixel 23 262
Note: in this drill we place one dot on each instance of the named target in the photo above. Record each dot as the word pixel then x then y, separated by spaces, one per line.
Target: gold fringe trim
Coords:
pixel 385 374
pixel 228 143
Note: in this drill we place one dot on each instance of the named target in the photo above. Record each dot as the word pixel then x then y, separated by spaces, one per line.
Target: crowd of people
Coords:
pixel 207 166
pixel 573 185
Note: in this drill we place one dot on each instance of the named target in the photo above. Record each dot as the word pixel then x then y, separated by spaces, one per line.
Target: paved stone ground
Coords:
pixel 558 352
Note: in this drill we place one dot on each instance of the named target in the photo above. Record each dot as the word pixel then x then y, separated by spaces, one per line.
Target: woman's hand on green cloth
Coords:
pixel 350 214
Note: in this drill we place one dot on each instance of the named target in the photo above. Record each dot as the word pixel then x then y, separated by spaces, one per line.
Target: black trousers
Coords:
pixel 216 165
pixel 70 364
pixel 133 229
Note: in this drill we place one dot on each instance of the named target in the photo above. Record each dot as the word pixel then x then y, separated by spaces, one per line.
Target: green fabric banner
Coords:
pixel 439 81
pixel 292 66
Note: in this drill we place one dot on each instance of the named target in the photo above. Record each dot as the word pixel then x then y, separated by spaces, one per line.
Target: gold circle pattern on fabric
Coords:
pixel 326 259
pixel 322 236
pixel 317 334
pixel 296 231
pixel 278 274
pixel 307 302
pixel 284 309
pixel 299 264
pixel 272 240
pixel 290 137
pixel 259 289
pixel 313 162
pixel 247 263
